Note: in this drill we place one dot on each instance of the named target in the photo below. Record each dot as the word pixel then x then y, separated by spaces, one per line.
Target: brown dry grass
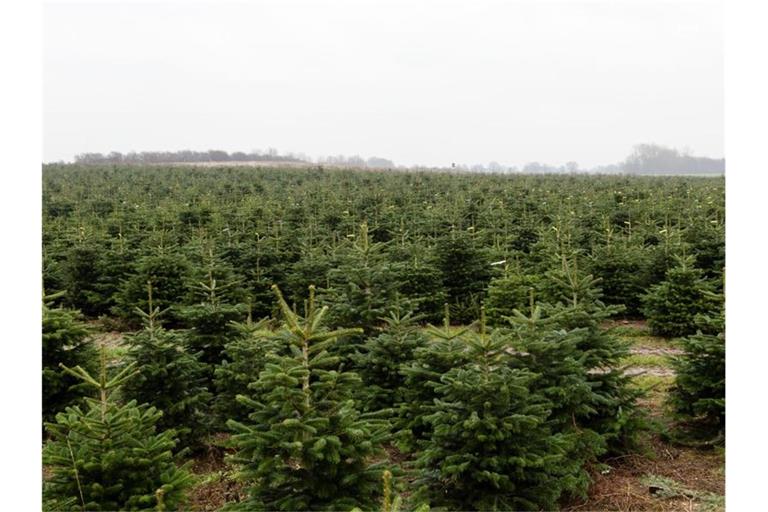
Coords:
pixel 622 487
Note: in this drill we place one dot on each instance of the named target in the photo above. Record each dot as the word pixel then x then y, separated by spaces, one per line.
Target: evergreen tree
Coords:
pixel 306 446
pixel 445 349
pixel 466 273
pixel 362 285
pixel 109 456
pixel 209 266
pixel 212 323
pixel 610 408
pixel 671 307
pixel 244 359
pixel 491 447
pixel 65 341
pixel 558 358
pixel 168 273
pixel 623 275
pixel 381 358
pixel 81 273
pixel 698 395
pixel 168 378
pixel 507 293
pixel 421 281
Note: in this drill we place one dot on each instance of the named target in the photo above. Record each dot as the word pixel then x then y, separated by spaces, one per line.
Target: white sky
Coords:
pixel 426 83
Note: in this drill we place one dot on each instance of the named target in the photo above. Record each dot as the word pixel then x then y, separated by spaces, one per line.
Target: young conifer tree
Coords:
pixel 110 456
pixel 306 446
pixel 614 414
pixel 671 306
pixel 65 341
pixel 507 293
pixel 556 356
pixel 168 377
pixel 244 359
pixel 698 396
pixel 362 285
pixel 380 359
pixel 491 447
pixel 212 323
pixel 466 273
pixel 444 349
pixel 168 272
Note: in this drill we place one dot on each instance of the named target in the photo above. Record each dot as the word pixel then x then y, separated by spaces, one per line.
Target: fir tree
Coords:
pixel 168 273
pixel 698 395
pixel 168 378
pixel 306 446
pixel 671 307
pixel 212 323
pixel 362 285
pixel 615 416
pixel 491 447
pixel 244 358
pixel 507 293
pixel 421 282
pixel 109 456
pixel 445 349
pixel 81 272
pixel 558 358
pixel 381 358
pixel 65 341
pixel 623 276
pixel 466 273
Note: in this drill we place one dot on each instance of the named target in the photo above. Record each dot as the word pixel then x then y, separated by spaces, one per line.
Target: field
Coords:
pixel 490 341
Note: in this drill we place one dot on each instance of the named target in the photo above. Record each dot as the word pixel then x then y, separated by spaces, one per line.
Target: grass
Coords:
pixel 648 360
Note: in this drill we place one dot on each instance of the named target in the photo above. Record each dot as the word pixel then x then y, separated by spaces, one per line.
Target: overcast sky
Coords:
pixel 425 83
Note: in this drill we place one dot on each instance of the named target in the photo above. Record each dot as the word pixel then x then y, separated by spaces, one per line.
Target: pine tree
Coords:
pixel 671 307
pixel 491 447
pixel 381 358
pixel 168 378
pixel 698 395
pixel 110 456
pixel 65 341
pixel 306 446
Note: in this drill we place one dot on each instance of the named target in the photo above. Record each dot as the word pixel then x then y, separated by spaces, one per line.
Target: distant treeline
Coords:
pixel 166 157
pixel 653 159
pixel 215 155
pixel 644 159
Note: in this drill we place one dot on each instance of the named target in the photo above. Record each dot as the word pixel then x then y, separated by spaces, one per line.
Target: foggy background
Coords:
pixel 414 82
